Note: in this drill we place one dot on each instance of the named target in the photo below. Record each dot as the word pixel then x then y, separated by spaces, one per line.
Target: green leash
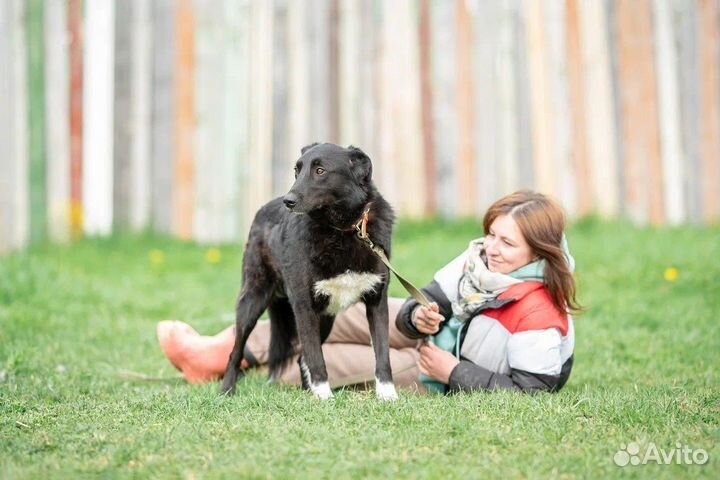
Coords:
pixel 361 228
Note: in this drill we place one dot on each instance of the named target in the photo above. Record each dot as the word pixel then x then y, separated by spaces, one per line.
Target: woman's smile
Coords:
pixel 493 263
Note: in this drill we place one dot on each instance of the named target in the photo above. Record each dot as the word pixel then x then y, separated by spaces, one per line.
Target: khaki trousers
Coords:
pixel 349 356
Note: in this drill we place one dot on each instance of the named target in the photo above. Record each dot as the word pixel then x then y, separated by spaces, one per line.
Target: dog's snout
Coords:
pixel 290 201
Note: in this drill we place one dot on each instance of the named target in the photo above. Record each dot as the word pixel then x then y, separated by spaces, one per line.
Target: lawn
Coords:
pixel 86 391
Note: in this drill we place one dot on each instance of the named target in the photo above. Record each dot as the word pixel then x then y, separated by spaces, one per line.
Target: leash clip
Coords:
pixel 361 227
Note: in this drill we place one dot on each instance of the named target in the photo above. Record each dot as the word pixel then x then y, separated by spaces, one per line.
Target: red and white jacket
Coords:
pixel 518 341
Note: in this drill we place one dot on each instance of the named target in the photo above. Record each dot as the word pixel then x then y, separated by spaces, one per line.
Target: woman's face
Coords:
pixel 506 247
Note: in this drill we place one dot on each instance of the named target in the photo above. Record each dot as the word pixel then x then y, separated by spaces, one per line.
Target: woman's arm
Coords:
pixel 467 376
pixel 440 290
pixel 535 365
pixel 404 319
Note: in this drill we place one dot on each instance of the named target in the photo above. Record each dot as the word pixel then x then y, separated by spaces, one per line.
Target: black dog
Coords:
pixel 305 263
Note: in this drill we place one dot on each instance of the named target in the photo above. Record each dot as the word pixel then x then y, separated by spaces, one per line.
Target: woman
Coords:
pixel 499 317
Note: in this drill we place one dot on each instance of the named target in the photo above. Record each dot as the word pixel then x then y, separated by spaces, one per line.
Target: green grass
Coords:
pixel 74 318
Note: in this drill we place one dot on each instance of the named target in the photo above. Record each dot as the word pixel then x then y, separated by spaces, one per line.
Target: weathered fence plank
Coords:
pixel 464 79
pixel 164 110
pixel 505 79
pixel 14 163
pixel 686 26
pixel 183 190
pixel 639 122
pixel 543 110
pixel 283 154
pixel 140 119
pixel 443 102
pixel 369 74
pixel 209 135
pixel 299 119
pixel 75 28
pixel 578 112
pixel 525 166
pixel 556 22
pixel 426 94
pixel 317 27
pixel 57 119
pixel 235 122
pixel 709 32
pixel 241 129
pixel 260 108
pixel 36 112
pixel 599 101
pixel 98 107
pixel 122 181
pixel 669 110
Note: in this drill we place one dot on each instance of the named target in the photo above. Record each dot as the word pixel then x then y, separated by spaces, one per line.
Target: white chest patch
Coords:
pixel 346 289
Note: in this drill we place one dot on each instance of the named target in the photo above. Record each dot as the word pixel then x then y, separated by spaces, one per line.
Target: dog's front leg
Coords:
pixel 377 315
pixel 312 363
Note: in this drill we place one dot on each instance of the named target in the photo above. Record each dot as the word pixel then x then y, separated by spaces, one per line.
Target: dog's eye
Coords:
pixel 296 170
pixel 320 171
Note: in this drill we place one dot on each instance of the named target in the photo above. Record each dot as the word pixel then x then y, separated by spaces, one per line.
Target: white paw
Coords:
pixel 385 391
pixel 321 390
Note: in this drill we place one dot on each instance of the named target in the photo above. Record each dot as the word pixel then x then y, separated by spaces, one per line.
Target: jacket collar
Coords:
pixel 519 290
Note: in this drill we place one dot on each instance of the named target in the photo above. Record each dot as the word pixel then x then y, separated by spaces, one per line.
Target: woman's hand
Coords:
pixel 436 363
pixel 427 320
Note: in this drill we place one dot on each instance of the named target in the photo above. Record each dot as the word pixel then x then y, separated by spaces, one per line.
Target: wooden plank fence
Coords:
pixel 183 117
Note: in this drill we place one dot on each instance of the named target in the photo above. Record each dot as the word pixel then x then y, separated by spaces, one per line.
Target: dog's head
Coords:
pixel 330 178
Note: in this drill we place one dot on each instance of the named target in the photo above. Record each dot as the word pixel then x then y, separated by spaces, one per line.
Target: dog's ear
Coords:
pixel 360 165
pixel 307 147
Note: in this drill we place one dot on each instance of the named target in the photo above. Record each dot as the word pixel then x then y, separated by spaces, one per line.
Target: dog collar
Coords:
pixel 361 225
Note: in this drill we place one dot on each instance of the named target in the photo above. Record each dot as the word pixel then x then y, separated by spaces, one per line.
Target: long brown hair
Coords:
pixel 542 222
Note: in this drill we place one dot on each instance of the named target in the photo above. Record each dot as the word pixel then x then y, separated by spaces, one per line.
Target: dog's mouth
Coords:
pixel 306 208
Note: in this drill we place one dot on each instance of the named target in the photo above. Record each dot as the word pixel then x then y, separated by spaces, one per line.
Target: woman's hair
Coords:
pixel 542 222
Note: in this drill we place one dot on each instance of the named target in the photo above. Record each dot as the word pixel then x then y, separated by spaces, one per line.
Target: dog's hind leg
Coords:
pixel 252 302
pixel 377 315
pixel 283 333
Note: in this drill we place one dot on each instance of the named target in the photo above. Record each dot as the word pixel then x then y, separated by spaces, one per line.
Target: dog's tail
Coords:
pixel 283 334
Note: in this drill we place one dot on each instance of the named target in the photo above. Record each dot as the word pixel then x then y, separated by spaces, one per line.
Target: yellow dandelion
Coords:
pixel 75 218
pixel 671 274
pixel 157 257
pixel 213 255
